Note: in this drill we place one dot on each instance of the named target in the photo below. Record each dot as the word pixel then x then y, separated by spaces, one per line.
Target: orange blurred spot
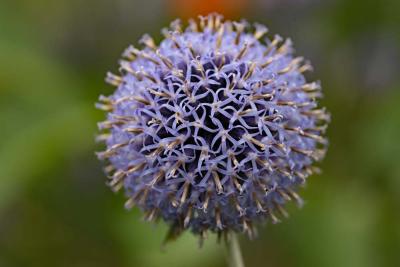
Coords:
pixel 193 8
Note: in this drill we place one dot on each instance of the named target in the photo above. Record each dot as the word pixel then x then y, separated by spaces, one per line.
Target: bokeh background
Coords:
pixel 55 209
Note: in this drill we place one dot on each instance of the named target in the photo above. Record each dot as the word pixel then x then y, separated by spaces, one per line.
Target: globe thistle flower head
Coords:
pixel 214 129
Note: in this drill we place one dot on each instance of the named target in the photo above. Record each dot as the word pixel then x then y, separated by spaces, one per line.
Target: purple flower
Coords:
pixel 214 129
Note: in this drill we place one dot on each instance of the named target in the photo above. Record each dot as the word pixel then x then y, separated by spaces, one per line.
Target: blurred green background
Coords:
pixel 55 209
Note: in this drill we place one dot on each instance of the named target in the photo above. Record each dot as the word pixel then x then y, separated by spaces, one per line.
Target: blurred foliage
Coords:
pixel 55 209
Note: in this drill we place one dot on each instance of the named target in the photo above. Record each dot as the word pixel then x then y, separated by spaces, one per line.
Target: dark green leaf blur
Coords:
pixel 55 207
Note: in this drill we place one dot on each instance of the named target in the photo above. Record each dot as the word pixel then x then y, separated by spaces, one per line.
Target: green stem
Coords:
pixel 235 255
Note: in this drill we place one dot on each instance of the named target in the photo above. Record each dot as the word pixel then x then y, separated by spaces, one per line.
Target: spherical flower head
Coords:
pixel 213 130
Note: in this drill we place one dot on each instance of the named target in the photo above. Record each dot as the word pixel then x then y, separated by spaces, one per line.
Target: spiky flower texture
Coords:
pixel 214 129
